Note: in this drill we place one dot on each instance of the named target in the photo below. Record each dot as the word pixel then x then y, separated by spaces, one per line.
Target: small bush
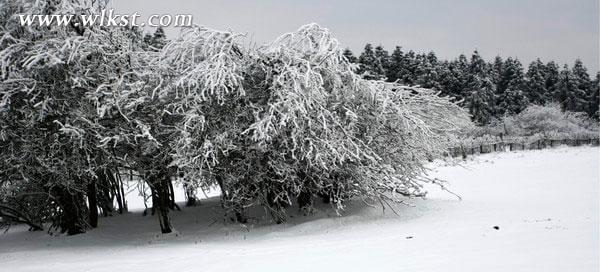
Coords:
pixel 544 122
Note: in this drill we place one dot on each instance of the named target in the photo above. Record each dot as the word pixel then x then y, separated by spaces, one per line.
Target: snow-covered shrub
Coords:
pixel 274 125
pixel 544 120
pixel 53 79
pixel 550 120
pixel 535 123
pixel 291 120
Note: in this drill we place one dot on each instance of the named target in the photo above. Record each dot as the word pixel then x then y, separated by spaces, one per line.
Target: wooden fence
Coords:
pixel 465 151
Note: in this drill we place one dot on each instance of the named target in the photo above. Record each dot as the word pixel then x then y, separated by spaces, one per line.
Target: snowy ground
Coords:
pixel 544 203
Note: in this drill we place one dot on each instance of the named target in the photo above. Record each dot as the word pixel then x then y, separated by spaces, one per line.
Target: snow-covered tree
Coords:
pixel 510 96
pixel 497 67
pixel 568 92
pixel 594 97
pixel 583 84
pixel 397 65
pixel 371 66
pixel 291 120
pixel 71 135
pixel 552 73
pixel 535 83
pixel 49 121
pixel 350 56
pixel 428 72
pixel 383 58
pixel 273 125
pixel 480 91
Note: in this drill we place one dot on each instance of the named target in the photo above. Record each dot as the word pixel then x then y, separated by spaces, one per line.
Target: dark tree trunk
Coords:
pixel 190 195
pixel 73 219
pixel 240 215
pixel 277 208
pixel 325 197
pixel 305 200
pixel 172 203
pixel 161 200
pixel 224 195
pixel 116 191
pixel 154 202
pixel 163 211
pixel 93 204
pixel 105 198
pixel 122 191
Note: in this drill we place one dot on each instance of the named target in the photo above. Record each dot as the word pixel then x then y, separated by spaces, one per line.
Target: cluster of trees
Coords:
pixel 549 121
pixel 82 108
pixel 488 90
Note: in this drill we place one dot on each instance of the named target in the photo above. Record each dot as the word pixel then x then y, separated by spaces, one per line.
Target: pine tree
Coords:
pixel 535 83
pixel 479 91
pixel 566 91
pixel 552 77
pixel 432 58
pixel 350 56
pixel 594 99
pixel 452 80
pixel 496 69
pixel 462 73
pixel 463 63
pixel 370 66
pixel 159 38
pixel 383 58
pixel 477 65
pixel 409 69
pixel 583 85
pixel 147 38
pixel 572 89
pixel 511 99
pixel 446 78
pixel 428 71
pixel 396 67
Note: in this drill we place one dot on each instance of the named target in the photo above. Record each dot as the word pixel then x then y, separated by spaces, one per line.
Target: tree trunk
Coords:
pixel 240 215
pixel 105 198
pixel 161 201
pixel 172 203
pixel 93 204
pixel 190 195
pixel 305 200
pixel 116 191
pixel 122 191
pixel 73 217
pixel 276 208
pixel 223 190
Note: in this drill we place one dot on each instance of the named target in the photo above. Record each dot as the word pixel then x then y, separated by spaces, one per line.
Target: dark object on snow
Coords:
pixel 496 227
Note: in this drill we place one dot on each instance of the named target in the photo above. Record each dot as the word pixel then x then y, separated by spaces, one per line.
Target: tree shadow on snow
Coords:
pixel 206 223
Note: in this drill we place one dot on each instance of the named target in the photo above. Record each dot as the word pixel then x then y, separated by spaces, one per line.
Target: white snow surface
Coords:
pixel 545 204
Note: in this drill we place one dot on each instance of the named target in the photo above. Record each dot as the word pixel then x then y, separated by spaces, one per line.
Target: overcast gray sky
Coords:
pixel 560 30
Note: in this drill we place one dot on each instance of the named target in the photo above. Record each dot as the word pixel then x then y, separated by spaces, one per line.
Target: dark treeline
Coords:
pixel 489 90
